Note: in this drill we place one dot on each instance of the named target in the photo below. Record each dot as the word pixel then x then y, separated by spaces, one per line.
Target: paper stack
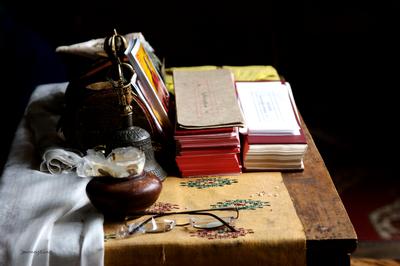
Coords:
pixel 208 116
pixel 273 138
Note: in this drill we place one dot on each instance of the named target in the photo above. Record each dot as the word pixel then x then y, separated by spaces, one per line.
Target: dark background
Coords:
pixel 341 58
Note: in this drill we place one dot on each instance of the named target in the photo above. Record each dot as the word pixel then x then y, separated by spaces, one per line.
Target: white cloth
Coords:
pixel 45 219
pixel 42 115
pixel 58 160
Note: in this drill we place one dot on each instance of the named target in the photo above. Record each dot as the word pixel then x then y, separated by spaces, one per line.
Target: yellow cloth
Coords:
pixel 168 78
pixel 241 73
pixel 272 234
pixel 253 73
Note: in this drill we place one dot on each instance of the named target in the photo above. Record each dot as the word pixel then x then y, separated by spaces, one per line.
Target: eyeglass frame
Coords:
pixel 155 215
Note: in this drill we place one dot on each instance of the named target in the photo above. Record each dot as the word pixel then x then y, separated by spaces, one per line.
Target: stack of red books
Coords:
pixel 211 151
pixel 207 120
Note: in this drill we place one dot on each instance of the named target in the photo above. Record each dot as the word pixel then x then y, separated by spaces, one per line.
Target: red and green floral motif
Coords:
pixel 221 233
pixel 161 207
pixel 207 182
pixel 242 204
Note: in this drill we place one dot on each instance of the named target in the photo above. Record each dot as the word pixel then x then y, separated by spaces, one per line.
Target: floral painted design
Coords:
pixel 242 204
pixel 221 233
pixel 207 182
pixel 161 207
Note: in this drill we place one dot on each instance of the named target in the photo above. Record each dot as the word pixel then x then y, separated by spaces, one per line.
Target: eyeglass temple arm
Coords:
pixel 184 212
pixel 219 209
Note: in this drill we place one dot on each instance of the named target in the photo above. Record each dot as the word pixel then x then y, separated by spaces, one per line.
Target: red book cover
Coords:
pixel 208 131
pixel 229 135
pixel 233 171
pixel 209 151
pixel 210 165
pixel 276 139
pixel 206 159
pixel 209 144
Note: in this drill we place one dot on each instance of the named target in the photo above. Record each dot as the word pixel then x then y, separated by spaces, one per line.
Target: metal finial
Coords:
pixel 115 46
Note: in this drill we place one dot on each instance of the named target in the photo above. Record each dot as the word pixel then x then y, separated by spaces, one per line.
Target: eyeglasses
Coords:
pixel 200 219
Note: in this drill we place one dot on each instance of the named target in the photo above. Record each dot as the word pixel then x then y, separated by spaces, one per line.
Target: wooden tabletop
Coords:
pixel 330 236
pixel 329 232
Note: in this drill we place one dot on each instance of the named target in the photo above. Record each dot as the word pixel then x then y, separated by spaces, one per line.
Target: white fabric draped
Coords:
pixel 45 219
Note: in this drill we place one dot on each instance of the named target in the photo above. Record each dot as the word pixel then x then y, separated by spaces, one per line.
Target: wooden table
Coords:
pixel 330 235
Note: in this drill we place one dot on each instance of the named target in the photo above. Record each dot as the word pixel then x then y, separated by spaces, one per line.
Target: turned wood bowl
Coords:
pixel 117 198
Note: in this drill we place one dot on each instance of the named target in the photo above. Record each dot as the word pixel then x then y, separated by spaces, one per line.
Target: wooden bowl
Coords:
pixel 119 197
